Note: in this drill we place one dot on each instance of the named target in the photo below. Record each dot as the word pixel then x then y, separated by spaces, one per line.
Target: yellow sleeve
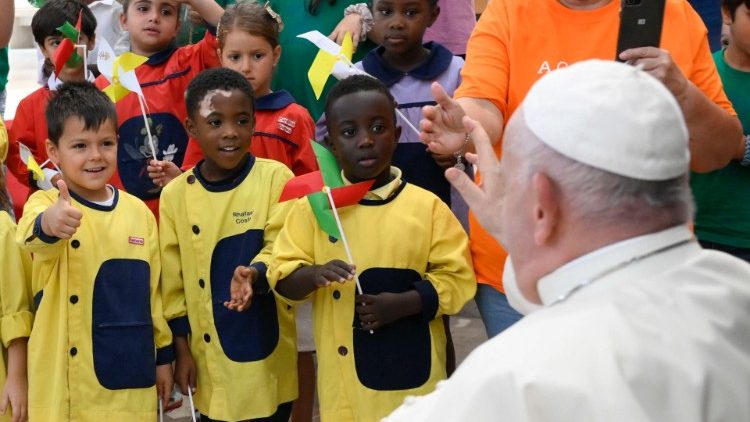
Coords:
pixel 15 285
pixel 30 235
pixel 172 288
pixel 449 268
pixel 294 247
pixel 162 334
pixel 276 216
pixel 3 141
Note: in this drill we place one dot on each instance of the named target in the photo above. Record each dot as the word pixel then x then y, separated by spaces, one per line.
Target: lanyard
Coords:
pixel 618 267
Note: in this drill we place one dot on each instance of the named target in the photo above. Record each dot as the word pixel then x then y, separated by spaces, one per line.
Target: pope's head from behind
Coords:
pixel 596 154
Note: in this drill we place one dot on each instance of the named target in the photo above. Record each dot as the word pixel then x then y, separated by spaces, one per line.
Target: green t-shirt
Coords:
pixel 722 197
pixel 4 68
pixel 297 54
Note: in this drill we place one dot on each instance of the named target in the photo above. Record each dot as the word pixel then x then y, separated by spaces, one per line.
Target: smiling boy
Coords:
pixel 221 214
pixel 411 255
pixel 100 348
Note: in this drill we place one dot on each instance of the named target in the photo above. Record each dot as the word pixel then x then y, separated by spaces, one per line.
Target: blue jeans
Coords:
pixel 497 314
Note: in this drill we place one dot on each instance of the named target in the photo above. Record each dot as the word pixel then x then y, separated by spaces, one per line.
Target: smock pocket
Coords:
pixel 398 355
pixel 123 333
pixel 253 334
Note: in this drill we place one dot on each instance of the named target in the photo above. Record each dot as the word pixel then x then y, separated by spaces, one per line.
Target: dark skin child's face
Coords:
pixel 223 125
pixel 402 24
pixel 363 135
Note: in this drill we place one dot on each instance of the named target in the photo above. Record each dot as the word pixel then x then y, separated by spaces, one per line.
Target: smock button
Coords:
pixel 74 299
pixel 73 351
pixel 191 179
pixel 343 351
pixel 206 338
pixel 201 283
pixel 196 230
pixel 336 294
pixel 75 244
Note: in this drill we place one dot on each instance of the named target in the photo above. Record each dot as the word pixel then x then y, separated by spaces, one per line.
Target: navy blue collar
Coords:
pixel 226 184
pixel 438 60
pixel 162 56
pixel 274 101
pixel 95 206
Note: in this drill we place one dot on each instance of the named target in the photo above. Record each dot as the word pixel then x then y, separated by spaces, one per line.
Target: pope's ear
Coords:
pixel 545 208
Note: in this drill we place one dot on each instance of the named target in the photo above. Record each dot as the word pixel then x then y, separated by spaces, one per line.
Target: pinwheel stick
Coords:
pixel 192 406
pixel 343 237
pixel 85 58
pixel 161 411
pixel 148 128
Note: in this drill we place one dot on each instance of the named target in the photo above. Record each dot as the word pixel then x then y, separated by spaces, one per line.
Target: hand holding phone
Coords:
pixel 641 22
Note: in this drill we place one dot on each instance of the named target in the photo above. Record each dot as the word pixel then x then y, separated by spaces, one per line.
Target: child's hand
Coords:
pixel 184 367
pixel 61 219
pixel 382 309
pixel 15 393
pixel 164 384
pixel 162 172
pixel 335 270
pixel 241 288
pixel 353 25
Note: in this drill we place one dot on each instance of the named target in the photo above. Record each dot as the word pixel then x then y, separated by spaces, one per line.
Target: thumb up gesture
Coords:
pixel 61 219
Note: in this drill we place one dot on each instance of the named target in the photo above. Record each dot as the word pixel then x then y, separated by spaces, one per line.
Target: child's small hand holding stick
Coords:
pixel 162 172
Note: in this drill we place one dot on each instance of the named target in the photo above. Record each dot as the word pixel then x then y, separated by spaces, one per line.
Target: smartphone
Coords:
pixel 640 24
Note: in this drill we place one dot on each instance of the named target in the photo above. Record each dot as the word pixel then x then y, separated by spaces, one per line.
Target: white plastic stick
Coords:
pixel 161 411
pixel 343 236
pixel 406 121
pixel 148 129
pixel 192 406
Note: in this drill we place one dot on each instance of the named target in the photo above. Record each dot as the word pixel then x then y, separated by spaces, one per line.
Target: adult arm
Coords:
pixel 715 135
pixel 442 127
pixel 6 21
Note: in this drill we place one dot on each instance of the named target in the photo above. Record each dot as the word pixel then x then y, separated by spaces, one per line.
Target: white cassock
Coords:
pixel 663 338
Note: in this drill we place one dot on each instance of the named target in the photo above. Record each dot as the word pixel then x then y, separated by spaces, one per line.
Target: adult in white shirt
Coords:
pixel 629 319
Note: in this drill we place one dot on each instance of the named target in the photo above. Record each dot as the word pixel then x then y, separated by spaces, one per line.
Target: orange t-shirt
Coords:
pixel 516 42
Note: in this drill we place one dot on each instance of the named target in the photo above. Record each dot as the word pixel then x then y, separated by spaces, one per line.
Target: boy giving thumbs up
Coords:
pixel 100 348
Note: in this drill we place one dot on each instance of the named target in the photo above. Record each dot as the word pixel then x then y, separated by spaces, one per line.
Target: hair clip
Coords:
pixel 274 15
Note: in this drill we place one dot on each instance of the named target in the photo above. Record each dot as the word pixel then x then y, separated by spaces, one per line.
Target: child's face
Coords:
pixel 68 74
pixel 402 23
pixel 223 126
pixel 253 57
pixel 739 29
pixel 152 24
pixel 87 158
pixel 363 135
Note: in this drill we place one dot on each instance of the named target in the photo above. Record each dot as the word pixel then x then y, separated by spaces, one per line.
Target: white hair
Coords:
pixel 598 196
